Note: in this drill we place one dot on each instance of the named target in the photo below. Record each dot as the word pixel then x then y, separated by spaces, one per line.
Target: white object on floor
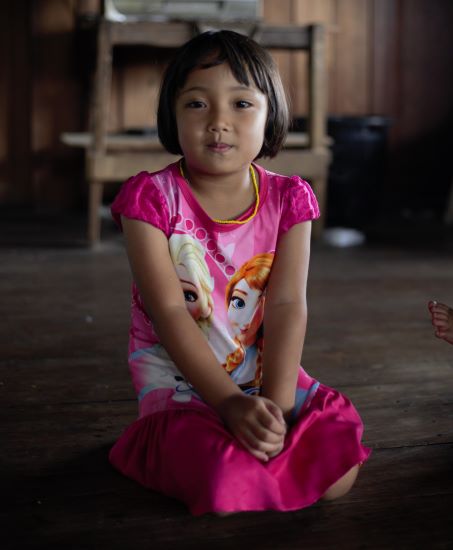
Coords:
pixel 343 237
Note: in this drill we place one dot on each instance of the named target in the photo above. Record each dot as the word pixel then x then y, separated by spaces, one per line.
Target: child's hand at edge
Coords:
pixel 442 320
pixel 257 422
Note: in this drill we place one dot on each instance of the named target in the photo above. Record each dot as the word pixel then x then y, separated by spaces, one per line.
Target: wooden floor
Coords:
pixel 66 397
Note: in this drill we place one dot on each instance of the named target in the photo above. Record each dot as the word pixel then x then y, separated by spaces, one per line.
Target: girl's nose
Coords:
pixel 217 127
pixel 219 122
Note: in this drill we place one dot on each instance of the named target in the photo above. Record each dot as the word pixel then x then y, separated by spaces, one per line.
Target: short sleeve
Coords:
pixel 140 199
pixel 299 204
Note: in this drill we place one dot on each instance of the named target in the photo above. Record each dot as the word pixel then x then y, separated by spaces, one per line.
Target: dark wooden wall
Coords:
pixel 385 57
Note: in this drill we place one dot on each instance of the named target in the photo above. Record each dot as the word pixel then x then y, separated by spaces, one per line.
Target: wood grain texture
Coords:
pixel 384 57
pixel 352 57
pixel 66 396
pixel 279 13
pixel 304 12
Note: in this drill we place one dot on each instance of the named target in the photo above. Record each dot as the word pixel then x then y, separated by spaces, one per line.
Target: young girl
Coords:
pixel 199 437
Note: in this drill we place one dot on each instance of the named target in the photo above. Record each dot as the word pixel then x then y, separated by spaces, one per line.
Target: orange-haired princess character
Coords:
pixel 244 297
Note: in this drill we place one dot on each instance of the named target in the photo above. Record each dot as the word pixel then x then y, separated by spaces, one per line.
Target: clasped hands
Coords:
pixel 257 422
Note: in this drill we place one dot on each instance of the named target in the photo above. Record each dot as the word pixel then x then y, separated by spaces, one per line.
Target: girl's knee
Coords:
pixel 343 485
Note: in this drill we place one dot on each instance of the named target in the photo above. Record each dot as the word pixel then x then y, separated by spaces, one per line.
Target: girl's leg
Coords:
pixel 343 485
pixel 442 320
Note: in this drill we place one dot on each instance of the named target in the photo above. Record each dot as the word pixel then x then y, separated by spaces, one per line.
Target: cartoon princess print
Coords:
pixel 244 297
pixel 153 368
pixel 157 372
pixel 188 255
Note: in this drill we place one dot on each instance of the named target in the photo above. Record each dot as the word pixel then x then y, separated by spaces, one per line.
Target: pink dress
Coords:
pixel 179 445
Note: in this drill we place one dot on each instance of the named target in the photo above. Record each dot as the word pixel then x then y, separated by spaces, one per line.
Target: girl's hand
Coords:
pixel 256 422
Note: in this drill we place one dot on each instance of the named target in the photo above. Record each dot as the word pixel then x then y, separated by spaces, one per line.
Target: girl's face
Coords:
pixel 191 294
pixel 220 122
pixel 245 312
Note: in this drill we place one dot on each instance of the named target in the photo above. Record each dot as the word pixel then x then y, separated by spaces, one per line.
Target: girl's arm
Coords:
pixel 250 420
pixel 285 317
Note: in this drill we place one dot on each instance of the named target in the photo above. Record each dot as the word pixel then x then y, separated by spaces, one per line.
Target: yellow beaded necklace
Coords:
pixel 257 198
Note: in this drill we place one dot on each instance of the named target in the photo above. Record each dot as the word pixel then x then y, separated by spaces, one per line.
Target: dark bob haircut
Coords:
pixel 246 59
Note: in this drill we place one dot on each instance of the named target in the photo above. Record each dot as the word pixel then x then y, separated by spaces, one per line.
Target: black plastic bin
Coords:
pixel 356 173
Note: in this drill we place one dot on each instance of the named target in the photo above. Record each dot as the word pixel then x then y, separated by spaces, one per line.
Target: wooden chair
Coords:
pixel 113 158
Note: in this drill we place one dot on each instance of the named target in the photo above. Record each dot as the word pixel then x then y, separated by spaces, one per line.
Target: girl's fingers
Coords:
pixel 276 451
pixel 275 411
pixel 265 435
pixel 272 426
pixel 261 438
pixel 256 424
pixel 271 417
pixel 260 448
pixel 257 453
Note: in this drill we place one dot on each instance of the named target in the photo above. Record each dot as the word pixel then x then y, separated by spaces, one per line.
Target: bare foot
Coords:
pixel 442 319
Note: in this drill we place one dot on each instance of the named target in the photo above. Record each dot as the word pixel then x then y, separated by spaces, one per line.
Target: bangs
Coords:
pixel 217 52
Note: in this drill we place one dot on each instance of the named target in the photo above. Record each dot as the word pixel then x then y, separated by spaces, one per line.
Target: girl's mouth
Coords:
pixel 219 147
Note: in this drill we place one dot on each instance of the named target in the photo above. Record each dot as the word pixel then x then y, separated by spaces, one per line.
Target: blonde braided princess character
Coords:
pixel 221 107
pixel 197 284
pixel 151 367
pixel 245 296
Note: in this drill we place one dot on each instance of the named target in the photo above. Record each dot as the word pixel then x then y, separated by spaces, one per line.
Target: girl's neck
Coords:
pixel 222 196
pixel 211 185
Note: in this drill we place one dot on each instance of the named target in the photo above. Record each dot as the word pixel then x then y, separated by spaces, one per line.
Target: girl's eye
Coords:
pixel 195 105
pixel 237 303
pixel 242 104
pixel 190 296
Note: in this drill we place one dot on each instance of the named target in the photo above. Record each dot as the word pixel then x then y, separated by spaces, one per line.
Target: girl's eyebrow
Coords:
pixel 241 87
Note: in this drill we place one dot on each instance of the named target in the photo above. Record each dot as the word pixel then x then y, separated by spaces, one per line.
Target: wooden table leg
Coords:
pixel 94 215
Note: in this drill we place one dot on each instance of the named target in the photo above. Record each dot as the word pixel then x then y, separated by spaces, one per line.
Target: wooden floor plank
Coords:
pixel 107 509
pixel 87 379
pixel 66 396
pixel 390 524
pixel 39 437
pixel 406 472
